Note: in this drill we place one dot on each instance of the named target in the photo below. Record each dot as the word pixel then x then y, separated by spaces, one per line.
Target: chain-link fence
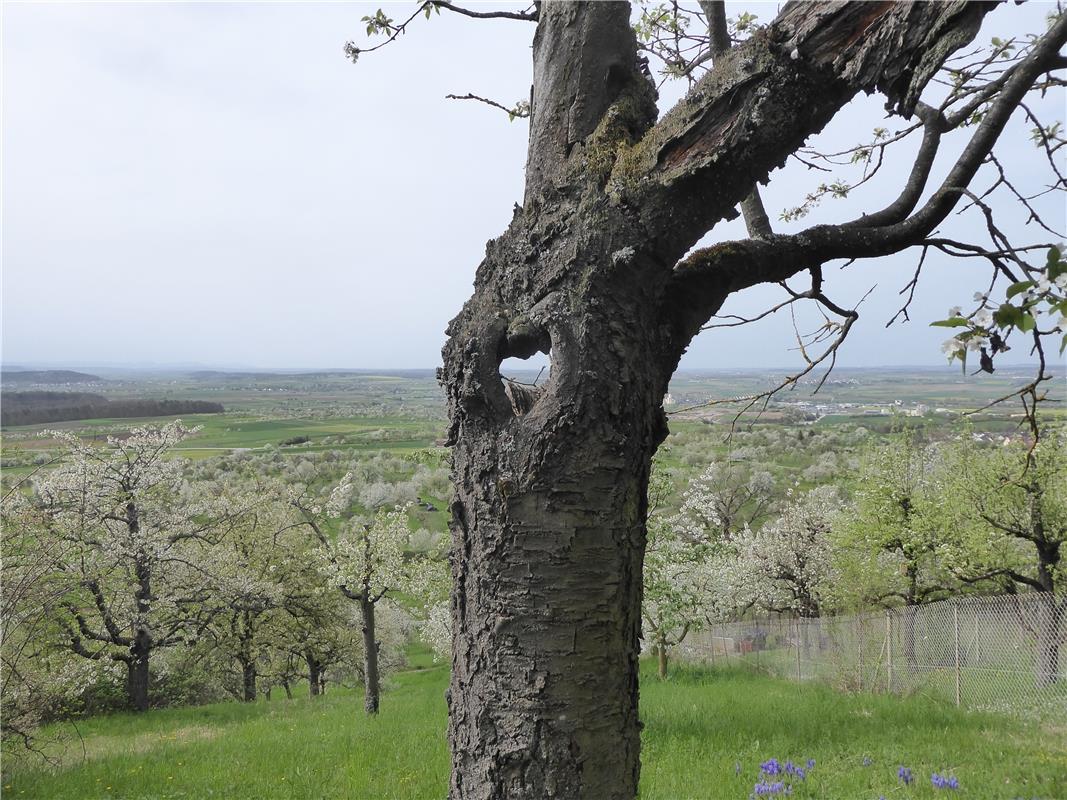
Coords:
pixel 994 653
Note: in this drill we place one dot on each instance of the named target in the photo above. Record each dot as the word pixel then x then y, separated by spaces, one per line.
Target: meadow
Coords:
pixel 707 732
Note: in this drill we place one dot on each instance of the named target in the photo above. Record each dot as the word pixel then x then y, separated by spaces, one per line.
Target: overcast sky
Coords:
pixel 216 184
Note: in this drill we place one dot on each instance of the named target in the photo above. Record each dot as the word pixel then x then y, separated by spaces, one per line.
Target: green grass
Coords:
pixel 226 432
pixel 700 725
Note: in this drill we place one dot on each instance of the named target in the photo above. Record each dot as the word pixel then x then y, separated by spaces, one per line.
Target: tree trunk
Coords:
pixel 661 660
pixel 1050 631
pixel 1049 639
pixel 288 690
pixel 548 541
pixel 248 681
pixel 141 649
pixel 314 676
pixel 372 690
pixel 543 700
pixel 910 612
pixel 137 681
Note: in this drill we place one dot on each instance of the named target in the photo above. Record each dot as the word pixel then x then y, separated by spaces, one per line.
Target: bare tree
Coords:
pixel 595 269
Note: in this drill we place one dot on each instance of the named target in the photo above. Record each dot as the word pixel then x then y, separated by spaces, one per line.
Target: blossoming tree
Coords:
pixel 366 562
pixel 788 564
pixel 132 542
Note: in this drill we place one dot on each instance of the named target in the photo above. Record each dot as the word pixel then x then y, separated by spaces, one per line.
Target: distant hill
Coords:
pixel 46 376
pixel 30 408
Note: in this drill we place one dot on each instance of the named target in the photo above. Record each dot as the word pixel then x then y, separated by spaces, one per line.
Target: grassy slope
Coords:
pixel 699 726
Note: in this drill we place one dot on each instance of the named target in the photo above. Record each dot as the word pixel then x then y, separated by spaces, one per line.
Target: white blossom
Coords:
pixel 952 347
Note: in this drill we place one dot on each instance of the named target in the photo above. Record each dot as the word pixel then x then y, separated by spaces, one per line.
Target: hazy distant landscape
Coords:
pixel 308 429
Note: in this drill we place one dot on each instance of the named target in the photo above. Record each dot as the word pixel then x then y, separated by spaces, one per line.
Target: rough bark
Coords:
pixel 372 681
pixel 548 519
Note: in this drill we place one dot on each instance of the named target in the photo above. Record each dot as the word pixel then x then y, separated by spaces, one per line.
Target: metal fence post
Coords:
pixel 799 673
pixel 859 648
pixel 956 645
pixel 889 650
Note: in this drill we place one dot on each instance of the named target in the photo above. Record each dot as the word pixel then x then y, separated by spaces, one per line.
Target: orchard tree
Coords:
pixel 671 607
pixel 597 269
pixel 788 564
pixel 673 575
pixel 891 546
pixel 723 500
pixel 1004 511
pixel 366 562
pixel 257 573
pixel 132 542
pixel 35 664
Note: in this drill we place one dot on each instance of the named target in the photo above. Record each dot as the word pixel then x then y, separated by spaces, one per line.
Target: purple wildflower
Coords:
pixel 905 775
pixel 764 789
pixel 944 782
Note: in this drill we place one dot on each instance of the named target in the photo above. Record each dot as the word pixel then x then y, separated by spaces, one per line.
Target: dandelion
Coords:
pixel 867 761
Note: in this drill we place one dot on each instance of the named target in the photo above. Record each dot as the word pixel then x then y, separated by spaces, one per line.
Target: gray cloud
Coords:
pixel 216 183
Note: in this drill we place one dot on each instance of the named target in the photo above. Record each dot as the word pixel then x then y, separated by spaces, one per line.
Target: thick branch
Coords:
pixel 756 220
pixel 704 279
pixel 585 57
pixel 933 126
pixel 715 14
pixel 766 96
